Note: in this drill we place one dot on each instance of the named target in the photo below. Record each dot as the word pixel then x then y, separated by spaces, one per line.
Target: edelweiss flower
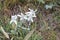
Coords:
pixel 13 19
pixel 22 16
pixel 30 15
pixel 31 12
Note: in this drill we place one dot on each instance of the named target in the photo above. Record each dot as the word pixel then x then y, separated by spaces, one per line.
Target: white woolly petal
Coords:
pixel 13 21
pixel 31 20
pixel 29 9
pixel 19 15
pixel 13 17
pixel 21 18
pixel 27 12
pixel 35 10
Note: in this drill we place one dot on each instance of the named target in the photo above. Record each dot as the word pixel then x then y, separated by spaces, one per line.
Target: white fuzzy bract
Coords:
pixel 22 16
pixel 13 19
pixel 30 15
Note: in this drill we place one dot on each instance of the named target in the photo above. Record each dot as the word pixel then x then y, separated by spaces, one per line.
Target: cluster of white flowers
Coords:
pixel 28 16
